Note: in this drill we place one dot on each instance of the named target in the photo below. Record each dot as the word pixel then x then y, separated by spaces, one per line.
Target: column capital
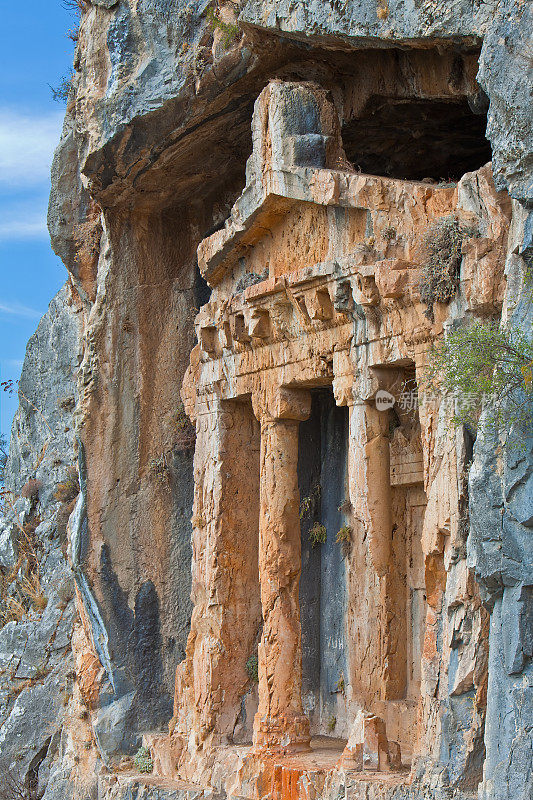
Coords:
pixel 281 403
pixel 343 390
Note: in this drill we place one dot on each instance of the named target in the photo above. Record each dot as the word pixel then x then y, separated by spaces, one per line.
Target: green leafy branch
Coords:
pixel 483 365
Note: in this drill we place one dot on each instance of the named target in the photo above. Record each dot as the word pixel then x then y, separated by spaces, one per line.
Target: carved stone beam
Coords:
pixel 259 326
pixel 366 292
pixel 240 331
pixel 208 337
pixel 320 305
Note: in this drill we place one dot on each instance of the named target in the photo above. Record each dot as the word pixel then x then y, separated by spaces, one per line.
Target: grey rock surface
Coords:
pixel 8 545
pixel 500 551
pixel 47 392
pixel 506 74
pixel 36 715
pixel 144 43
pixel 361 24
pixel 110 725
pixel 35 652
pixel 66 206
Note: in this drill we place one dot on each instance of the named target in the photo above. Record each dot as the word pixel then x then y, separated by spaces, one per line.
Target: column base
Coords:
pixel 286 732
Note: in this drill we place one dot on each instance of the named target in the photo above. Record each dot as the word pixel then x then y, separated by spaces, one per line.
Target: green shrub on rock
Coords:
pixel 483 365
pixel 143 760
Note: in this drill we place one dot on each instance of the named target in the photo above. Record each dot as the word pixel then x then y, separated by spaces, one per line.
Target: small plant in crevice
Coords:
pixel 332 723
pixel 442 262
pixel 12 610
pixel 192 312
pixel 229 31
pixel 182 425
pixel 382 10
pixel 345 507
pixel 252 668
pixel 344 534
pixel 27 595
pixel 13 787
pixel 68 489
pixel 181 420
pixel 389 233
pixel 309 503
pixel 31 489
pixel 20 590
pixel 317 534
pixel 60 92
pixel 77 6
pixel 344 538
pixel 341 686
pixel 160 470
pixel 143 760
pixel 30 588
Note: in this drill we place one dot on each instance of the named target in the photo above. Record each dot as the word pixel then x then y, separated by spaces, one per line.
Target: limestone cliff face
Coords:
pixel 499 552
pixel 38 677
pixel 307 213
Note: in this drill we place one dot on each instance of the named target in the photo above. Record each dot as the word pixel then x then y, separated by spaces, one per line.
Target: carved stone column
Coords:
pixel 370 497
pixel 212 680
pixel 378 490
pixel 280 721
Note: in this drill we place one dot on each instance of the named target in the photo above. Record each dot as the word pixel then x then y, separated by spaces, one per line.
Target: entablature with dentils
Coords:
pixel 315 275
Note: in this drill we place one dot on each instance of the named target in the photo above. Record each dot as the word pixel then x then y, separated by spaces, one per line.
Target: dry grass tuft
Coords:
pixel 30 587
pixel 317 534
pixel 441 267
pixel 31 488
pixel 12 787
pixel 68 489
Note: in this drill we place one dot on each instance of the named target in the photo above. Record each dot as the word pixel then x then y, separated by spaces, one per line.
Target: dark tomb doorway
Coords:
pixel 322 472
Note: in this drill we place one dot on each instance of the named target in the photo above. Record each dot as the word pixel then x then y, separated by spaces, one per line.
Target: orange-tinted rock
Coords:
pixel 328 310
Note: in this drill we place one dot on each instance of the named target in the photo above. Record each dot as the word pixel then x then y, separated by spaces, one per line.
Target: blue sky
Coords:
pixel 35 52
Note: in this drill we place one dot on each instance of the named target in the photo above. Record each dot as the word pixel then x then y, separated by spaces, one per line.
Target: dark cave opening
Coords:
pixel 202 290
pixel 415 139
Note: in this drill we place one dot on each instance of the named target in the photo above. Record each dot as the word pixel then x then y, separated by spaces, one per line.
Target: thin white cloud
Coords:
pixel 18 310
pixel 27 144
pixel 23 219
pixel 23 229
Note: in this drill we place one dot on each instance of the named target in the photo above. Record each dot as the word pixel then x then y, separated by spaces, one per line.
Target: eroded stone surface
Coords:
pixel 416 636
pixel 36 665
pixel 314 270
